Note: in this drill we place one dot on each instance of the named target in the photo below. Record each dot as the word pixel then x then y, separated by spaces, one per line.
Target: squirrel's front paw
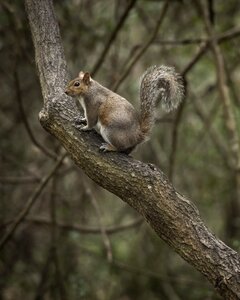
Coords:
pixel 107 148
pixel 85 128
pixel 103 148
pixel 80 120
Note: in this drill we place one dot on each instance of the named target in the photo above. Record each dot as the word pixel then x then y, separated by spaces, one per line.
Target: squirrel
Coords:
pixel 121 126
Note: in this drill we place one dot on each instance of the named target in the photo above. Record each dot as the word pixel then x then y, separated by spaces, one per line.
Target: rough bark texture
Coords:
pixel 144 187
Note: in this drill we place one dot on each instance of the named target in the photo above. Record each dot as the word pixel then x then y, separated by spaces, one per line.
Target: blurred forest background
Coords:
pixel 75 240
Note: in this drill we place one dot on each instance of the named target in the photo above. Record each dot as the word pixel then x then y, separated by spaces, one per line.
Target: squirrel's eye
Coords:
pixel 77 83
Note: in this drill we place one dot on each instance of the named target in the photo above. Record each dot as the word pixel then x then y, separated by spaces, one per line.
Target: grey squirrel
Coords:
pixel 118 122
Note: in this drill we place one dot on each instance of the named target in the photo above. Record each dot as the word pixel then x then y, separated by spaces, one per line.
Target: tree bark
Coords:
pixel 143 186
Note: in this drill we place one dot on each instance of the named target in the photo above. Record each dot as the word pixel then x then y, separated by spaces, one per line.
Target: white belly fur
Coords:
pixel 100 129
pixel 81 101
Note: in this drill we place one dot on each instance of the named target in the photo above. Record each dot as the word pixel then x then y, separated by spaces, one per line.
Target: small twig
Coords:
pixel 18 180
pixel 172 156
pixel 30 202
pixel 13 160
pixel 25 121
pixel 113 36
pixel 80 228
pixel 229 34
pixel 230 82
pixel 183 42
pixel 229 116
pixel 179 114
pixel 105 238
pixel 232 33
pixel 146 21
pixel 216 138
pixel 54 249
pixel 148 273
pixel 41 289
pixel 201 51
pixel 230 121
pixel 16 24
pixel 144 47
pixel 127 60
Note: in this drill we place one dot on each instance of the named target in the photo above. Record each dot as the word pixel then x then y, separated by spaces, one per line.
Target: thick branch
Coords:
pixel 142 186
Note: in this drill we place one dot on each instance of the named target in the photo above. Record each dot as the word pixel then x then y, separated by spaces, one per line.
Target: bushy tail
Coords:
pixel 159 85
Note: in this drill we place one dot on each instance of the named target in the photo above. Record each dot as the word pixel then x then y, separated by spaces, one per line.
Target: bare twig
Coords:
pixel 113 36
pixel 230 121
pixel 143 16
pixel 83 229
pixel 232 87
pixel 14 161
pixel 41 288
pixel 229 34
pixel 25 121
pixel 229 117
pixel 183 42
pixel 144 47
pixel 149 273
pixel 18 180
pixel 54 249
pixel 179 114
pixel 30 202
pixel 232 33
pixel 200 52
pixel 216 138
pixel 105 238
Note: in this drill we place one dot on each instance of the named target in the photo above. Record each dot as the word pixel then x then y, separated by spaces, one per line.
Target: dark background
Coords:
pixel 62 247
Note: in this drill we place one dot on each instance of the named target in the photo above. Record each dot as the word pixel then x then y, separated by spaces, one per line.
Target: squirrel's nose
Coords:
pixel 66 92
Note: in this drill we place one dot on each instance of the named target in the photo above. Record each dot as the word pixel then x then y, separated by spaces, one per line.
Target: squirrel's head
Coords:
pixel 80 85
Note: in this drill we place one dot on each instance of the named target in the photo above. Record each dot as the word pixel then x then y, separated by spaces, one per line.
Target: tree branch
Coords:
pixel 228 110
pixel 144 48
pixel 81 228
pixel 25 120
pixel 30 202
pixel 144 187
pixel 113 36
pixel 105 238
pixel 227 35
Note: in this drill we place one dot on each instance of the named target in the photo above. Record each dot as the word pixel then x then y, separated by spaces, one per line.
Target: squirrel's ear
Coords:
pixel 81 74
pixel 86 78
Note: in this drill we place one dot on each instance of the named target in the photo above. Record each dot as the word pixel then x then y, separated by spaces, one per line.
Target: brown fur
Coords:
pixel 105 110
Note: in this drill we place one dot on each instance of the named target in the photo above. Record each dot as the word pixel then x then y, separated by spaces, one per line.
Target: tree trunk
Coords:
pixel 144 187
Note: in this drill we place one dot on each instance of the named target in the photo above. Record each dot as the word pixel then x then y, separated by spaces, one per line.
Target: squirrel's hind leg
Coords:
pixel 119 139
pixel 110 148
